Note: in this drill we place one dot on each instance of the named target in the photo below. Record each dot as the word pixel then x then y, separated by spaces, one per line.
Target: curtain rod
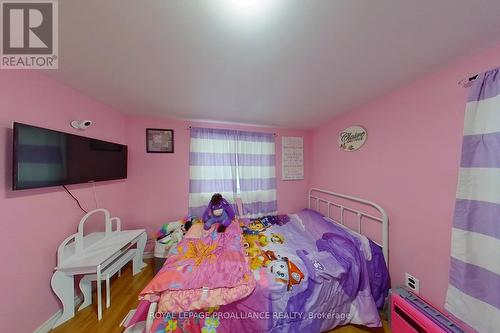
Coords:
pixel 273 133
pixel 466 83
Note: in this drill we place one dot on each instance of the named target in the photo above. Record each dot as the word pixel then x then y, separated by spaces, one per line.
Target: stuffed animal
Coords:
pixel 252 245
pixel 218 211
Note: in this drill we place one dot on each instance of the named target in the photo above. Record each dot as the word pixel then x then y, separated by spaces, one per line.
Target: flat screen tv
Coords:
pixel 43 158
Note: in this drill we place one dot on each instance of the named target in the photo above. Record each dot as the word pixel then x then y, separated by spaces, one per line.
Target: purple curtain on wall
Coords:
pixel 212 167
pixel 474 288
pixel 235 164
pixel 256 160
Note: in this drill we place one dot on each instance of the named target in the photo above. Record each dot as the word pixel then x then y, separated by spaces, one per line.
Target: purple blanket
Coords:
pixel 347 253
pixel 311 276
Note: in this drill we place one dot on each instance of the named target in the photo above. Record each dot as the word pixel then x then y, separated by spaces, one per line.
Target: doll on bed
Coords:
pixel 218 211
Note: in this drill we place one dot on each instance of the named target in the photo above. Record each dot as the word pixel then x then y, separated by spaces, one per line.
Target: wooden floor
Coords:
pixel 124 293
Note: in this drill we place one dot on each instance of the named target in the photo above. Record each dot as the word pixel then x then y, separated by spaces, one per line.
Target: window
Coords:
pixel 236 164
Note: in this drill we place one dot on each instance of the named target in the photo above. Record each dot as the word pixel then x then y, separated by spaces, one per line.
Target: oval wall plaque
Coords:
pixel 352 138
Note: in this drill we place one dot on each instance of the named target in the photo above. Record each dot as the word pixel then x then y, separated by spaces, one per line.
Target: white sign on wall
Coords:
pixel 292 158
pixel 352 138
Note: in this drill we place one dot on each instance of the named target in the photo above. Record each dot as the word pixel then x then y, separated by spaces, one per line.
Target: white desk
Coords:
pixel 91 254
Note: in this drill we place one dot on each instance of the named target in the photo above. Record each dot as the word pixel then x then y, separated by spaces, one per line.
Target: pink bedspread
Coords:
pixel 208 270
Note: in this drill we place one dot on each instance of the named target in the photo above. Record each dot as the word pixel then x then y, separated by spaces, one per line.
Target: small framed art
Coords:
pixel 159 140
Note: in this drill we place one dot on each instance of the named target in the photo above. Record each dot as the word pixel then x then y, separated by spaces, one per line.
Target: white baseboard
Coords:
pixel 47 326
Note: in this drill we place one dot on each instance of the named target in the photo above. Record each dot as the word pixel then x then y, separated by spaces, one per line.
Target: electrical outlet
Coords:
pixel 412 283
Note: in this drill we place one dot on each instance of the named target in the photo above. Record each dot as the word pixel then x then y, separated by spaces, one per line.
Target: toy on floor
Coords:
pixel 218 211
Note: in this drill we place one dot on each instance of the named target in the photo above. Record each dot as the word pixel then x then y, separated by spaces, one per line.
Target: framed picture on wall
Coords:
pixel 159 140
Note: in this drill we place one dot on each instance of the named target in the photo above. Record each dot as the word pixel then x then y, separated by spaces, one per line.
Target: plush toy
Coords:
pixel 167 228
pixel 218 211
pixel 189 221
pixel 252 245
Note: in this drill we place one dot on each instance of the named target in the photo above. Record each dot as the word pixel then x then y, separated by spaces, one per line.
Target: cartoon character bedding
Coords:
pixel 203 272
pixel 307 275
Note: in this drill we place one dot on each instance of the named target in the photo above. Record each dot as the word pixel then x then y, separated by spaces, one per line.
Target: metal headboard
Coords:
pixel 382 219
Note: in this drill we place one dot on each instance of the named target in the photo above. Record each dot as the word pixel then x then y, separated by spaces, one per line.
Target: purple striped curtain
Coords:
pixel 474 288
pixel 235 164
pixel 257 173
pixel 212 167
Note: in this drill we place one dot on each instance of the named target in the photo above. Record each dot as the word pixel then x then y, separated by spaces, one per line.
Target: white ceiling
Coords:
pixel 296 65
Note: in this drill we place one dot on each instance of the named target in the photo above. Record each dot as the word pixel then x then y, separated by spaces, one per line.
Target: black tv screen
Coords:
pixel 44 157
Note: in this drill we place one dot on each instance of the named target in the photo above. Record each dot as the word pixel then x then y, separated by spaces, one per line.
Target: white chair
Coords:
pixel 112 224
pixel 97 255
pixel 115 267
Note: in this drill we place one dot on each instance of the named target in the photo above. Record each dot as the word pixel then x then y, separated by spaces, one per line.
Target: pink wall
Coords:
pixel 158 184
pixel 409 165
pixel 34 222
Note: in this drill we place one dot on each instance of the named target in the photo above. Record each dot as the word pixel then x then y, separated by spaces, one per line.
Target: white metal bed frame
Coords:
pixel 383 219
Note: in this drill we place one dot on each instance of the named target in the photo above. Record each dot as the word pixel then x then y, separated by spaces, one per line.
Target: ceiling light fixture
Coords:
pixel 249 7
pixel 246 12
